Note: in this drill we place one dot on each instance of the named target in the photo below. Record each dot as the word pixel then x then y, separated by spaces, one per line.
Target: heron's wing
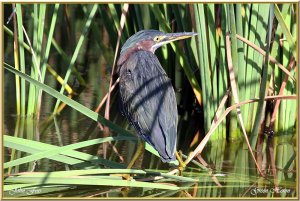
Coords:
pixel 149 102
pixel 168 120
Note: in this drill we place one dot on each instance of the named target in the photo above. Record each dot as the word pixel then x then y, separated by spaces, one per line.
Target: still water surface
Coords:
pixel 230 170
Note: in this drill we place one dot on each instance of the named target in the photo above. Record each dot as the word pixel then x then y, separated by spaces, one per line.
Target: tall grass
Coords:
pixel 206 55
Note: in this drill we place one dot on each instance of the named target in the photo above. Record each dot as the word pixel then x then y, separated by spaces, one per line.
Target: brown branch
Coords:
pixel 106 96
pixel 200 147
pixel 236 98
pixel 107 108
pixel 291 64
pixel 272 59
pixel 122 23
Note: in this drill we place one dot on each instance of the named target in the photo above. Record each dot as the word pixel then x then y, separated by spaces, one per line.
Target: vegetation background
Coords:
pixel 235 86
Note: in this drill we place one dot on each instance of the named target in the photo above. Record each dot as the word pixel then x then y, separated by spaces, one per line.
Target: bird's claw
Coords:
pixel 126 177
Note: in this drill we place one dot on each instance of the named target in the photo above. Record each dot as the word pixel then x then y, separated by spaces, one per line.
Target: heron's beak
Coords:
pixel 178 36
pixel 170 37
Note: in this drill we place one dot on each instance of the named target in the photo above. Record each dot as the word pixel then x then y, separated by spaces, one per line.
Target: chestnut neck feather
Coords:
pixel 146 45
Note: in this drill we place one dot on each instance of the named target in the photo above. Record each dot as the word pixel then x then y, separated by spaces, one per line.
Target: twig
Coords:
pixel 11 15
pixel 200 147
pixel 213 177
pixel 202 161
pixel 195 190
pixel 187 194
pixel 248 189
pixel 114 148
pixel 105 97
pixel 236 98
pixel 122 23
pixel 272 59
pixel 273 166
pixel 291 64
pixel 221 106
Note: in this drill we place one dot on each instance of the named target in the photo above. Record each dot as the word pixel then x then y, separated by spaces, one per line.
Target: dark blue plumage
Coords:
pixel 149 103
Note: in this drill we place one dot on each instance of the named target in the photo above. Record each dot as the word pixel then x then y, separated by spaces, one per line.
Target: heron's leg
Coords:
pixel 181 163
pixel 139 150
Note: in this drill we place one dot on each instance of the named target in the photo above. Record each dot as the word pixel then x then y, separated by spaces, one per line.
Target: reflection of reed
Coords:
pixel 197 68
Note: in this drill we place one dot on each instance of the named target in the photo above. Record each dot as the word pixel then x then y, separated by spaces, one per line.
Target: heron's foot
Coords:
pixel 126 177
pixel 123 176
pixel 181 165
pixel 180 168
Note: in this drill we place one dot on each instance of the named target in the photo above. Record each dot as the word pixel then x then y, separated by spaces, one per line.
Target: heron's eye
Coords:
pixel 156 38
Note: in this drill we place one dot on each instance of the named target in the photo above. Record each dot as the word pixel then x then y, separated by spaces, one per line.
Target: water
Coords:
pixel 231 171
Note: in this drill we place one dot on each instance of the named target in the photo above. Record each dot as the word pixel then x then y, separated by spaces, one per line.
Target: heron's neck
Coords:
pixel 126 53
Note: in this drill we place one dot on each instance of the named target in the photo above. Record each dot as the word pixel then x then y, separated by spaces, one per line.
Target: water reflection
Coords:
pixel 227 168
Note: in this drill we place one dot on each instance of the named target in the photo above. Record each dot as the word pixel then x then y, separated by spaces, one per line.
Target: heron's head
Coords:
pixel 149 40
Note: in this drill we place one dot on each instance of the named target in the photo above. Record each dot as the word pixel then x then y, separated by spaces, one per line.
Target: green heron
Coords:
pixel 147 97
